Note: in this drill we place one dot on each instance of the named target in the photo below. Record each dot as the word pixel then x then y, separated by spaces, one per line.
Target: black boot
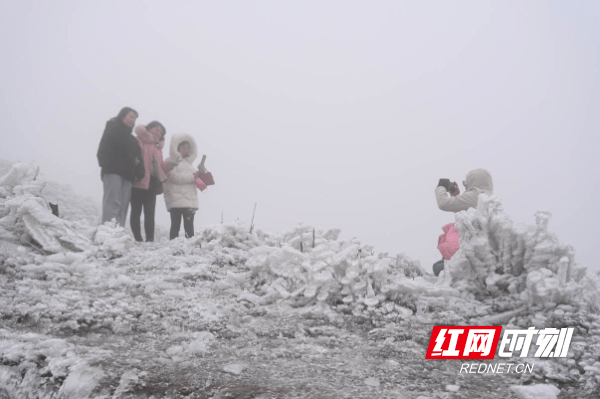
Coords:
pixel 438 267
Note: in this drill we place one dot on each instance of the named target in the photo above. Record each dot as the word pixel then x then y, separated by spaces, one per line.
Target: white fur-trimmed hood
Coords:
pixel 178 138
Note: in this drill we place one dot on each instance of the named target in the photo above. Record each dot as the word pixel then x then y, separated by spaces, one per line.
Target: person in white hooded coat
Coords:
pixel 478 181
pixel 180 192
pixel 449 199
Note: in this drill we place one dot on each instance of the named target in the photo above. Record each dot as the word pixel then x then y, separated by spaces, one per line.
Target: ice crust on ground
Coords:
pixel 537 391
pixel 70 276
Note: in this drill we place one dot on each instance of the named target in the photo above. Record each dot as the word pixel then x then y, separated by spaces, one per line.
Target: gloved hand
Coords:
pixel 444 183
pixel 174 162
pixel 453 189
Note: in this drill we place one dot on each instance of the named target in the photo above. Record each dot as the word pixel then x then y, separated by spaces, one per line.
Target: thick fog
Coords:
pixel 336 114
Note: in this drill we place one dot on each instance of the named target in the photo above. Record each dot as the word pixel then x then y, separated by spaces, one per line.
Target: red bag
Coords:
pixel 207 178
pixel 204 174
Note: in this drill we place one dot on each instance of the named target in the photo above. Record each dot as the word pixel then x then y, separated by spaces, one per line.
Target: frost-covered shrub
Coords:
pixel 526 263
pixel 334 272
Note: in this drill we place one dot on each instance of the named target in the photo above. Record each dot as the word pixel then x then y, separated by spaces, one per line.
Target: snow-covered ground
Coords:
pixel 87 312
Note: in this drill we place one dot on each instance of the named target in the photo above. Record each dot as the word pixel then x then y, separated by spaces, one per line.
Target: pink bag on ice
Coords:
pixel 448 243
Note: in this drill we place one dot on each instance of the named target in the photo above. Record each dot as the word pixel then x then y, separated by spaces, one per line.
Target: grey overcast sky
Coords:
pixel 333 113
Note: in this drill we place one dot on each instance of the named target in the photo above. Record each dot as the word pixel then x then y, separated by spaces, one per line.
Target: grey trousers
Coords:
pixel 115 203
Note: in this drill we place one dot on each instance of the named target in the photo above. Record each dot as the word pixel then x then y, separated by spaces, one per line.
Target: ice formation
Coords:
pixel 520 264
pixel 26 214
pixel 72 206
pixel 26 217
pixel 71 276
pixel 538 391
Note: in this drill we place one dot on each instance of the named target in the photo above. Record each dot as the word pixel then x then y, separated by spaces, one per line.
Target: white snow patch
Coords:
pixel 234 368
pixel 538 391
pixel 81 381
pixel 372 382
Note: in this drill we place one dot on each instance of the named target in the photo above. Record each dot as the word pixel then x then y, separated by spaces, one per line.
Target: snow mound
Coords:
pixel 112 240
pixel 25 213
pixel 72 206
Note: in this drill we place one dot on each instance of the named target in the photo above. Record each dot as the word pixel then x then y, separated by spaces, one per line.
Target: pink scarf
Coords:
pixel 148 143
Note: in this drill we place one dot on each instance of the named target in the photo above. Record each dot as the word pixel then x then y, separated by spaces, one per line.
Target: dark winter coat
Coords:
pixel 119 150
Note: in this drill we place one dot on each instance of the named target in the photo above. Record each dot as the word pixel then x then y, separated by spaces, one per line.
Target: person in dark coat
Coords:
pixel 120 157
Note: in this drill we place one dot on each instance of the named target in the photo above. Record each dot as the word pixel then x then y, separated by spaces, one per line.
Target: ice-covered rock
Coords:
pixel 197 346
pixel 112 240
pixel 372 382
pixel 81 381
pixel 175 349
pixel 25 212
pixel 201 342
pixel 536 391
pixel 72 206
pixel 128 379
pixel 234 368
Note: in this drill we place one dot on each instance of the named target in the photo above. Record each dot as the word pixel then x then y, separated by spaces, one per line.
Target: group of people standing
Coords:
pixel 133 170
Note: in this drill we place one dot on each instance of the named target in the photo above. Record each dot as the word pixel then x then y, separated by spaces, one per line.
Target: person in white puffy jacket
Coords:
pixel 181 194
pixel 449 199
pixel 448 195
